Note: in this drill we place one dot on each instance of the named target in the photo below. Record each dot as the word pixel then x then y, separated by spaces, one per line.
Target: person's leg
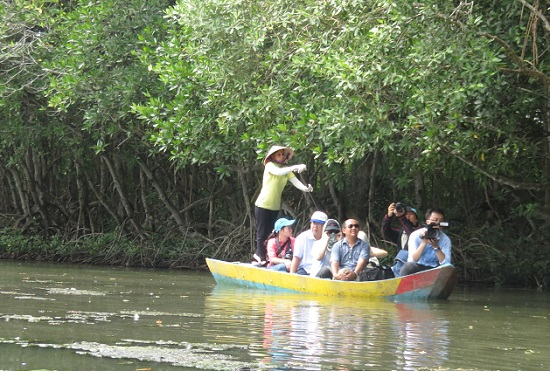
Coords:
pixel 278 268
pixel 302 272
pixel 411 267
pixel 265 221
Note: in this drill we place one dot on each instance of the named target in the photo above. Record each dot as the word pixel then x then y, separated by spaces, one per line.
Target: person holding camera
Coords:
pixel 408 221
pixel 281 246
pixel 322 248
pixel 429 247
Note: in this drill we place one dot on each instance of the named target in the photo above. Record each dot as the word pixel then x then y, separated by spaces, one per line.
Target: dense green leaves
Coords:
pixel 433 103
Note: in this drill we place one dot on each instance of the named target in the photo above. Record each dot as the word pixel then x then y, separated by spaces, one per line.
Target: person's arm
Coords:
pixel 438 252
pixel 335 267
pixel 272 250
pixel 389 233
pixel 295 264
pixel 377 252
pixel 442 250
pixel 320 247
pixel 361 264
pixel 277 260
pixel 407 225
pixel 296 183
pixel 297 253
pixel 417 246
pixel 283 170
pixel 386 224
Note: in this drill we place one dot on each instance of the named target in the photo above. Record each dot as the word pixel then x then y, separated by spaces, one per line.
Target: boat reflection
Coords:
pixel 295 331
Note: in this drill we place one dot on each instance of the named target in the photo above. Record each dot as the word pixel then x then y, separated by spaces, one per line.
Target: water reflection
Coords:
pixel 424 337
pixel 289 331
pixel 82 318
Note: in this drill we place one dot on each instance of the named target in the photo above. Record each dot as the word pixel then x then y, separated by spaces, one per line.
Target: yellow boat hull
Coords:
pixel 437 283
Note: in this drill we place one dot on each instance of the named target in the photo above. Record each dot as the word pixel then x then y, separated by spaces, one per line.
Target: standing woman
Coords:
pixel 268 203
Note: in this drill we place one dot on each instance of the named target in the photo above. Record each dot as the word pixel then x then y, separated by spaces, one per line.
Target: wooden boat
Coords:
pixel 437 283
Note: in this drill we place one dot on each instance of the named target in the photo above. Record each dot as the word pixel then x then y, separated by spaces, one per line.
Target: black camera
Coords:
pixel 288 255
pixel 432 233
pixel 399 207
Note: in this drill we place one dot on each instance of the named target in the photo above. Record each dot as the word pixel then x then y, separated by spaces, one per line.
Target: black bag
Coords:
pixel 375 272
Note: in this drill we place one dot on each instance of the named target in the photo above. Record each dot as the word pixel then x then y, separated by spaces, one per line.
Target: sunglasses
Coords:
pixel 353 226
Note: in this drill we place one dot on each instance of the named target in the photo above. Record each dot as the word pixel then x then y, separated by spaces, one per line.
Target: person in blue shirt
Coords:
pixel 349 255
pixel 426 252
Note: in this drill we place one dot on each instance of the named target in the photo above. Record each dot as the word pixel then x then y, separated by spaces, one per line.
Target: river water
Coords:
pixel 67 317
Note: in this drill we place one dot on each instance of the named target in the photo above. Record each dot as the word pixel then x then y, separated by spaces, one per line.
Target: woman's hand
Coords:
pixel 299 168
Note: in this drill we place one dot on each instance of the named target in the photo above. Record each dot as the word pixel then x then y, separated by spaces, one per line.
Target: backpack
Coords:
pixel 375 272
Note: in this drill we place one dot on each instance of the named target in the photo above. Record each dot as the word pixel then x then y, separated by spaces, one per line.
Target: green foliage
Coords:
pixel 94 68
pixel 336 80
pixel 106 249
pixel 371 94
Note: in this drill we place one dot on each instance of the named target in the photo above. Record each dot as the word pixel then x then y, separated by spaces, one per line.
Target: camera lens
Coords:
pixel 399 207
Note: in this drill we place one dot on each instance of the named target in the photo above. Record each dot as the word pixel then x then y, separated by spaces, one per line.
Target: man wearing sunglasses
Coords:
pixel 349 255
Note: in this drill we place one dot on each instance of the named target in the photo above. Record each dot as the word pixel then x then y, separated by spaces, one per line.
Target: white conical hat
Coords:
pixel 289 152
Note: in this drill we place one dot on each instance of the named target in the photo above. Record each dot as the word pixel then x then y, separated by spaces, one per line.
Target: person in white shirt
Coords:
pixel 303 259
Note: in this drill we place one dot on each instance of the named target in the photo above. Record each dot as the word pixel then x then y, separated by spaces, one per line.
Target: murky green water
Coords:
pixel 61 317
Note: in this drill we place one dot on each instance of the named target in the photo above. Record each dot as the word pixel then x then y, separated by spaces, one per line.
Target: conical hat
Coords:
pixel 289 152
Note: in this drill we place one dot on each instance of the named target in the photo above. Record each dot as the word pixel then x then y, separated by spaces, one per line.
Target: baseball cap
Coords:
pixel 319 217
pixel 408 208
pixel 283 222
pixel 332 226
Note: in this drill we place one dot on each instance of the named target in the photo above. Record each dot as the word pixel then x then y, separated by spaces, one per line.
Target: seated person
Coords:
pixel 426 253
pixel 322 248
pixel 302 259
pixel 349 255
pixel 375 252
pixel 408 223
pixel 281 246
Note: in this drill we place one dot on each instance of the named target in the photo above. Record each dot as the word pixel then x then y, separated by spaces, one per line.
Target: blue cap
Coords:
pixel 283 222
pixel 409 208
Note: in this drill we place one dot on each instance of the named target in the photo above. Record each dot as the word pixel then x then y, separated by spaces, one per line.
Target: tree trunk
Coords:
pixel 101 198
pixel 370 200
pixel 164 198
pixel 33 187
pixel 123 199
pixel 148 222
pixel 248 208
pixel 83 213
pixel 546 165
pixel 23 199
